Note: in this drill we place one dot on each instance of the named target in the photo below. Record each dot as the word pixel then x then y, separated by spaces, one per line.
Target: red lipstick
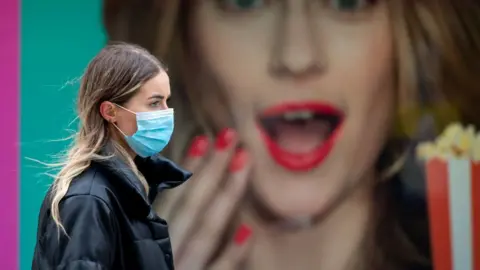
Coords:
pixel 299 136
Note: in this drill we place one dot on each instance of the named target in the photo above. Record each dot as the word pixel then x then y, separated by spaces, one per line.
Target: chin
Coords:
pixel 288 196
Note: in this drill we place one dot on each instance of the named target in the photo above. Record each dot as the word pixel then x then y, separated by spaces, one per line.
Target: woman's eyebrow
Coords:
pixel 157 97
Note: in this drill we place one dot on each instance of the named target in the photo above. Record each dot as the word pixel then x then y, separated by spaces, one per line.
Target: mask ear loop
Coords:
pixel 125 108
pixel 115 125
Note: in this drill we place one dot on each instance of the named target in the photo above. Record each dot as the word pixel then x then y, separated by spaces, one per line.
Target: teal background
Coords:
pixel 58 38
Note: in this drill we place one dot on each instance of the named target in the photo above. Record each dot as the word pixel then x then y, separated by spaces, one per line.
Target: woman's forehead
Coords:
pixel 157 86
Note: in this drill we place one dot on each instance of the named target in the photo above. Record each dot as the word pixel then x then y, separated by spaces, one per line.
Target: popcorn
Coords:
pixel 455 142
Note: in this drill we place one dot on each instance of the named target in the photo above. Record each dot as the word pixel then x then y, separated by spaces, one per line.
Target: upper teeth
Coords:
pixel 298 115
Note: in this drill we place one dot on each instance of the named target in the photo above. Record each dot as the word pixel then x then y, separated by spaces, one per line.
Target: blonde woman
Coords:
pixel 97 214
pixel 312 89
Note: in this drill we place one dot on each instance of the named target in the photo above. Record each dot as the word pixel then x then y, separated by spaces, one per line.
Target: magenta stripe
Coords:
pixel 9 135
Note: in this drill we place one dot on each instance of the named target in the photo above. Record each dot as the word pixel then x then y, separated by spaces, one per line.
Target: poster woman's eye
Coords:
pixel 349 5
pixel 241 5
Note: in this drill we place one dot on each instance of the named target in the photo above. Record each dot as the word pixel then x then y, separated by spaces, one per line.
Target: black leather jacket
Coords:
pixel 109 220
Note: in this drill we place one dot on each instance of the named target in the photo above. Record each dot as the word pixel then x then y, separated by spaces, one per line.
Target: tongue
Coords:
pixel 301 138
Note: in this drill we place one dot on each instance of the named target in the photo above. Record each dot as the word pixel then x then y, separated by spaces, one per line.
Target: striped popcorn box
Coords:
pixel 453 194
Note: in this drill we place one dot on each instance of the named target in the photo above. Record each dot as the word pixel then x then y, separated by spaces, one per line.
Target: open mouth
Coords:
pixel 299 136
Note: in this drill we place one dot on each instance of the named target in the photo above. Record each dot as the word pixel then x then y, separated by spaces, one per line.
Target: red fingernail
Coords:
pixel 243 233
pixel 225 138
pixel 239 160
pixel 199 146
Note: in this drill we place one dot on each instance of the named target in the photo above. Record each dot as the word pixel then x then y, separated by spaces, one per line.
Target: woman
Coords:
pixel 97 214
pixel 313 91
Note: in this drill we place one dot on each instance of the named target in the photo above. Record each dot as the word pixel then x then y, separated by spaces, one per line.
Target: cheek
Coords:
pixel 370 98
pixel 235 50
pixel 127 123
pixel 235 53
pixel 372 101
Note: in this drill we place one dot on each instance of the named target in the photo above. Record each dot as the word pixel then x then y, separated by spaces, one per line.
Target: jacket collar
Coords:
pixel 160 173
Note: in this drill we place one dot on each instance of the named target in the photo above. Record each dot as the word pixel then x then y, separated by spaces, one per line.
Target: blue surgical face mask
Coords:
pixel 154 130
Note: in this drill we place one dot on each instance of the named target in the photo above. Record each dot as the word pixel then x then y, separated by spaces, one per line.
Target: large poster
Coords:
pixel 329 98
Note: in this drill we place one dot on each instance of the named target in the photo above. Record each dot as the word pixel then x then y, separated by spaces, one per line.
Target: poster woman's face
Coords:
pixel 310 87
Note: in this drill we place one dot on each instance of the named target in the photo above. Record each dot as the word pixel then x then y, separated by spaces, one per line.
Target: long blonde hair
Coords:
pixel 115 74
pixel 437 56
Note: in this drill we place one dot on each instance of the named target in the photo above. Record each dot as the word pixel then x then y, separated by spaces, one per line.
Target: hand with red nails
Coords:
pixel 200 211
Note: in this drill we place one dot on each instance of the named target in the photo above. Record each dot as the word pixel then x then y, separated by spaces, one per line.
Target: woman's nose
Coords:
pixel 295 51
pixel 164 105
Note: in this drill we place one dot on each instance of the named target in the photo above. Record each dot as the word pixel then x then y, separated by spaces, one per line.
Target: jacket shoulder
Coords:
pixel 93 181
pixel 119 194
pixel 90 237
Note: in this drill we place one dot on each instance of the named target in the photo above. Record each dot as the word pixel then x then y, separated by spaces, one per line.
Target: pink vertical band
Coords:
pixel 9 135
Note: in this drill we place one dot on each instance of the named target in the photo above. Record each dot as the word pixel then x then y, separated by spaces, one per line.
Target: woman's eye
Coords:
pixel 155 104
pixel 349 5
pixel 241 5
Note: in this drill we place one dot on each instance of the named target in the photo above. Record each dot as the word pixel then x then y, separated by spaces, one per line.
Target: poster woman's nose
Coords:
pixel 296 51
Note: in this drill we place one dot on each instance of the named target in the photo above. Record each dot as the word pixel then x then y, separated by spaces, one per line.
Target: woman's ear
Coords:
pixel 108 110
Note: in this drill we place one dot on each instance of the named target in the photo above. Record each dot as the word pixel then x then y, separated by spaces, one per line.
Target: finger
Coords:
pixel 170 200
pixel 206 239
pixel 236 252
pixel 197 151
pixel 203 186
